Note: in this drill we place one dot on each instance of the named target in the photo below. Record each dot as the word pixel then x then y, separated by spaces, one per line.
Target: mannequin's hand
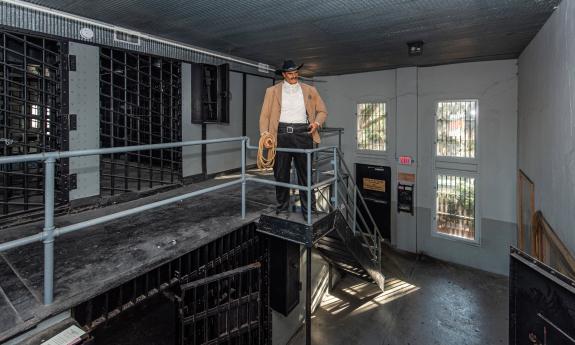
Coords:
pixel 313 127
pixel 269 143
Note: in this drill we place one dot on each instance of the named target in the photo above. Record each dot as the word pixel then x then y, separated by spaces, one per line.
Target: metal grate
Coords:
pixel 455 206
pixel 456 127
pixel 239 248
pixel 140 103
pixel 371 126
pixel 222 309
pixel 31 102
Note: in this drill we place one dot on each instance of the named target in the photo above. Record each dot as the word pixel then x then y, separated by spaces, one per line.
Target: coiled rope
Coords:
pixel 266 162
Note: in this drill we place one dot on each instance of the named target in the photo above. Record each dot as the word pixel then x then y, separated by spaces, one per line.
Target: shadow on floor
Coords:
pixel 426 302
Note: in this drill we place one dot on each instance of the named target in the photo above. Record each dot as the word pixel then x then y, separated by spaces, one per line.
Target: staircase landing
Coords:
pixel 293 226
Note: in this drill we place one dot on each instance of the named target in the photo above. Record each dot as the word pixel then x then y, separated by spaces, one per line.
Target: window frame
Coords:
pixel 434 230
pixel 386 142
pixel 453 159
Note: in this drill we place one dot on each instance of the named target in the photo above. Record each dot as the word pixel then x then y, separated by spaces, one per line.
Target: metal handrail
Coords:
pixel 374 235
pixel 356 189
pixel 50 231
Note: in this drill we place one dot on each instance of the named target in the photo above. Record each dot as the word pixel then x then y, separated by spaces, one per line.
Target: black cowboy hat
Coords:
pixel 288 66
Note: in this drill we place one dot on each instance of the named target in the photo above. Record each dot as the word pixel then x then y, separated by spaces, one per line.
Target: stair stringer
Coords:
pixel 356 247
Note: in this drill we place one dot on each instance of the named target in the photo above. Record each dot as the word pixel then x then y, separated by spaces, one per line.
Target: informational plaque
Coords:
pixel 373 184
pixel 406 177
pixel 69 336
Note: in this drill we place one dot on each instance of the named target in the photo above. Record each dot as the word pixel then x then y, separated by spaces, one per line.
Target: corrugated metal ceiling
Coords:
pixel 332 36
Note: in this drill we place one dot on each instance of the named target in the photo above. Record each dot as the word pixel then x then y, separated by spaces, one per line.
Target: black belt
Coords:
pixel 292 127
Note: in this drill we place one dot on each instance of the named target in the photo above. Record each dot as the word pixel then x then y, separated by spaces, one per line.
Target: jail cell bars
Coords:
pixel 371 126
pixel 140 103
pixel 32 82
pixel 456 123
pixel 239 248
pixel 455 206
pixel 222 309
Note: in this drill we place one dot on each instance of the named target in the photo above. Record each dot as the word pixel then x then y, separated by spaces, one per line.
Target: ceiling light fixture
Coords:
pixel 415 48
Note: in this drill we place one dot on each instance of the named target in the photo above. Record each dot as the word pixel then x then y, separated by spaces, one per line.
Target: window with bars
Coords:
pixel 456 126
pixel 455 206
pixel 371 126
pixel 32 79
pixel 140 103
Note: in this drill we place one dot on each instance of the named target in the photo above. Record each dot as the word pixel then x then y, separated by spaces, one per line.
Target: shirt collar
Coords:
pixel 290 87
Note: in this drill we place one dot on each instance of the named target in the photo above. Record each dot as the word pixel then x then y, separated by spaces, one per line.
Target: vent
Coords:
pixel 126 37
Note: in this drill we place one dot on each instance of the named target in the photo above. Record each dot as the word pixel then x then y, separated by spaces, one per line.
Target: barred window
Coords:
pixel 455 206
pixel 371 126
pixel 456 128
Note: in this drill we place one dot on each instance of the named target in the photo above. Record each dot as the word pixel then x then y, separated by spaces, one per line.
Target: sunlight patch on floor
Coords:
pixel 394 289
pixel 365 296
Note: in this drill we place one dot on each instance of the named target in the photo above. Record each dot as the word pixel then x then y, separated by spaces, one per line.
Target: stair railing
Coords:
pixel 355 211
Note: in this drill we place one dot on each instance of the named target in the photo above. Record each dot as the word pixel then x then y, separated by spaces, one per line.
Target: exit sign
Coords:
pixel 405 160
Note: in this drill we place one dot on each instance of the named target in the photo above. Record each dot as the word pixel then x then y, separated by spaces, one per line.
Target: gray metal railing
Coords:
pixel 352 204
pixel 50 231
pixel 366 228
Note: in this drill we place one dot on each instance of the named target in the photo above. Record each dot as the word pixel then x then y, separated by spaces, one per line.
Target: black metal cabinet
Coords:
pixel 374 183
pixel 284 275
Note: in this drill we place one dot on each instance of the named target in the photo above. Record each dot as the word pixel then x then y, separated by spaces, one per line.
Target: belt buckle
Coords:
pixel 289 129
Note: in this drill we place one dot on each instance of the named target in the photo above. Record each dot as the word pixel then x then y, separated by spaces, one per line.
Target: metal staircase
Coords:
pixel 354 245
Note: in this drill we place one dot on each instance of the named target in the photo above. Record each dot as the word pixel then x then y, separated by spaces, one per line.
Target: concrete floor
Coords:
pixel 426 302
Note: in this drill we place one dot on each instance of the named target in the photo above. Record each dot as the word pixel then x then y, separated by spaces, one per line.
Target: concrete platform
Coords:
pixel 93 260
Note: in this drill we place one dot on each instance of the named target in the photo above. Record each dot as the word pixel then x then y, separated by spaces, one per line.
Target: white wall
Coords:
pixel 191 155
pixel 223 157
pixel 285 327
pixel 84 86
pixel 547 119
pixel 494 85
pixel 341 95
pixel 411 94
pixel 255 92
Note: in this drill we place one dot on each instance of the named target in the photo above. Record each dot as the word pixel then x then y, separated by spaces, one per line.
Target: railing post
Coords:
pixel 355 191
pixel 309 191
pixel 244 178
pixel 49 175
pixel 335 174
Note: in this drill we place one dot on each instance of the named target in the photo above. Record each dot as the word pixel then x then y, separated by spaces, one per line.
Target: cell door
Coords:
pixel 225 308
pixel 33 79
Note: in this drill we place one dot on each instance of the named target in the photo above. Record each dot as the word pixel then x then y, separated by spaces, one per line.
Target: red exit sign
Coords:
pixel 405 160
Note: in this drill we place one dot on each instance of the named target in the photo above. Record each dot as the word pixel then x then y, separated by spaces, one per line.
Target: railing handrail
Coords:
pixel 103 151
pixel 356 190
pixel 540 227
pixel 50 231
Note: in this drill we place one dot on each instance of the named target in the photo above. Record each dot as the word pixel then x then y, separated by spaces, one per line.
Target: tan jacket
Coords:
pixel 272 106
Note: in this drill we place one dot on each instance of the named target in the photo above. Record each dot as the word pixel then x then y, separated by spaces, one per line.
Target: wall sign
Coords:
pixel 373 184
pixel 405 160
pixel 406 177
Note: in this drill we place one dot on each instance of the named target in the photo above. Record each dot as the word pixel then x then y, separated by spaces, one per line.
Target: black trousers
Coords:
pixel 282 167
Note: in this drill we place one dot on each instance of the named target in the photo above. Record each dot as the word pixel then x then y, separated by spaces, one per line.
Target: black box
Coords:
pixel 284 275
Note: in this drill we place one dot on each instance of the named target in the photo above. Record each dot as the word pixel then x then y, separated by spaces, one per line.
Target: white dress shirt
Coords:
pixel 293 106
